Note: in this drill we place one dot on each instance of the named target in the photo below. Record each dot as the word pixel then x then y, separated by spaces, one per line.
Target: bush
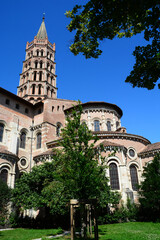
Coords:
pixel 120 214
pixel 5 194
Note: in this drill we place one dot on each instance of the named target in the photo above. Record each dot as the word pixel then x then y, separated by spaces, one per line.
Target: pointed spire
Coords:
pixel 42 33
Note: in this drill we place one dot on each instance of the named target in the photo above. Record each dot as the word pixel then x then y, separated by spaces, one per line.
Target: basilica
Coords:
pixel 31 121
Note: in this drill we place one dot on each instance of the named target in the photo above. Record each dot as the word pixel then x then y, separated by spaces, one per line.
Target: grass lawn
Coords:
pixel 119 231
pixel 128 231
pixel 27 234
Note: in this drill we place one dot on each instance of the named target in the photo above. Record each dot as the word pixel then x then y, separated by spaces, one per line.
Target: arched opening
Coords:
pixel 58 129
pixel 37 52
pixel 39 140
pixel 134 177
pixel 40 76
pixel 23 140
pixel 36 64
pixel 114 179
pixel 4 175
pixel 42 53
pixel 33 88
pixel 52 93
pixel 35 76
pixel 108 126
pixel 39 88
pixel 41 64
pixel 96 125
pixel 1 132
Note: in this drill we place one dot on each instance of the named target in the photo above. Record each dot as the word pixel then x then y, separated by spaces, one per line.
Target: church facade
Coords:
pixel 30 124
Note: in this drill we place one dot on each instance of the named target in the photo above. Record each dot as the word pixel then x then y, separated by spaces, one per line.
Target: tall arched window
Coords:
pixel 40 76
pixel 35 76
pixel 39 88
pixel 58 129
pixel 108 126
pixel 37 52
pixel 1 132
pixel 134 177
pixel 96 125
pixel 39 137
pixel 41 52
pixel 4 175
pixel 114 179
pixel 23 140
pixel 36 64
pixel 33 88
pixel 41 64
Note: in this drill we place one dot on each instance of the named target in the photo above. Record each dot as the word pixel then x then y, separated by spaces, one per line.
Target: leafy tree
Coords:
pixel 149 190
pixel 5 194
pixel 100 19
pixel 74 173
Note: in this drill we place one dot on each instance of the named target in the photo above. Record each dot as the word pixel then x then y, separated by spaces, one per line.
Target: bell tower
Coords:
pixel 38 78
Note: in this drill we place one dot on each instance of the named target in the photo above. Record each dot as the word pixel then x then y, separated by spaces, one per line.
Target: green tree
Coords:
pixel 5 194
pixel 100 19
pixel 73 173
pixel 149 190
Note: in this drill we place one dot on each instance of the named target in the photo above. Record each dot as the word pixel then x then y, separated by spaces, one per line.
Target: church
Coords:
pixel 31 121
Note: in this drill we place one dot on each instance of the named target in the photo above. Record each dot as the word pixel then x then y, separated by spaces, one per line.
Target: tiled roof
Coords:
pixel 5 151
pixel 108 143
pixel 48 152
pixel 151 147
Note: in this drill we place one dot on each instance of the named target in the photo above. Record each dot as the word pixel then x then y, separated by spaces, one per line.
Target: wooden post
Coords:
pixel 72 221
pixel 95 222
pixel 73 204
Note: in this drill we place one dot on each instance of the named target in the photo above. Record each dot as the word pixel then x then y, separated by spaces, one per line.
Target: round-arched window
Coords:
pixel 114 179
pixel 134 177
pixel 4 175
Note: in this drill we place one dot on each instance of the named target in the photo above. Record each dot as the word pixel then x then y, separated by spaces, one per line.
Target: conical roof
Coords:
pixel 42 33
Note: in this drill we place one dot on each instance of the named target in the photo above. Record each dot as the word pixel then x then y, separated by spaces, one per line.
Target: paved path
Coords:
pixel 6 229
pixel 55 236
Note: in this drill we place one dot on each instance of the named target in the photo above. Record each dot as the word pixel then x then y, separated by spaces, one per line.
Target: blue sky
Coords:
pixel 101 79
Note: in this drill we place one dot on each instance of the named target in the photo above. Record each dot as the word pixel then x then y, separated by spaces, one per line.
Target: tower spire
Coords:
pixel 42 33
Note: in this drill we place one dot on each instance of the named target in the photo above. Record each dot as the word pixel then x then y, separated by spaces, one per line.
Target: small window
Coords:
pixel 108 126
pixel 37 52
pixel 42 53
pixel 96 125
pixel 1 132
pixel 4 175
pixel 114 179
pixel 39 111
pixel 26 110
pixel 38 140
pixel 23 162
pixel 117 124
pixel 57 108
pixel 23 140
pixel 134 177
pixel 52 108
pixel 7 101
pixel 17 106
pixel 41 64
pixel 36 64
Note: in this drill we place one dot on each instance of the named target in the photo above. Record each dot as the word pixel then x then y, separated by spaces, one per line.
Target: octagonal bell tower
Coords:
pixel 38 78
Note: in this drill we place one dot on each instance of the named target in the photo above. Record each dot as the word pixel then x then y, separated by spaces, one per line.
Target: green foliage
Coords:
pixel 74 173
pixel 100 19
pixel 121 214
pixel 149 191
pixel 5 194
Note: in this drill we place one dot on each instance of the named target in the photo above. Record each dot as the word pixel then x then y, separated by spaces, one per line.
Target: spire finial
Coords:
pixel 43 16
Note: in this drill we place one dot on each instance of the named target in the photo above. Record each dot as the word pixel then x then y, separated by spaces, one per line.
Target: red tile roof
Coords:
pixel 151 147
pixel 4 150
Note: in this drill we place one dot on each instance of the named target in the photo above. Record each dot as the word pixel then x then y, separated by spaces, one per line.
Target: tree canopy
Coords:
pixel 101 19
pixel 74 173
pixel 150 190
